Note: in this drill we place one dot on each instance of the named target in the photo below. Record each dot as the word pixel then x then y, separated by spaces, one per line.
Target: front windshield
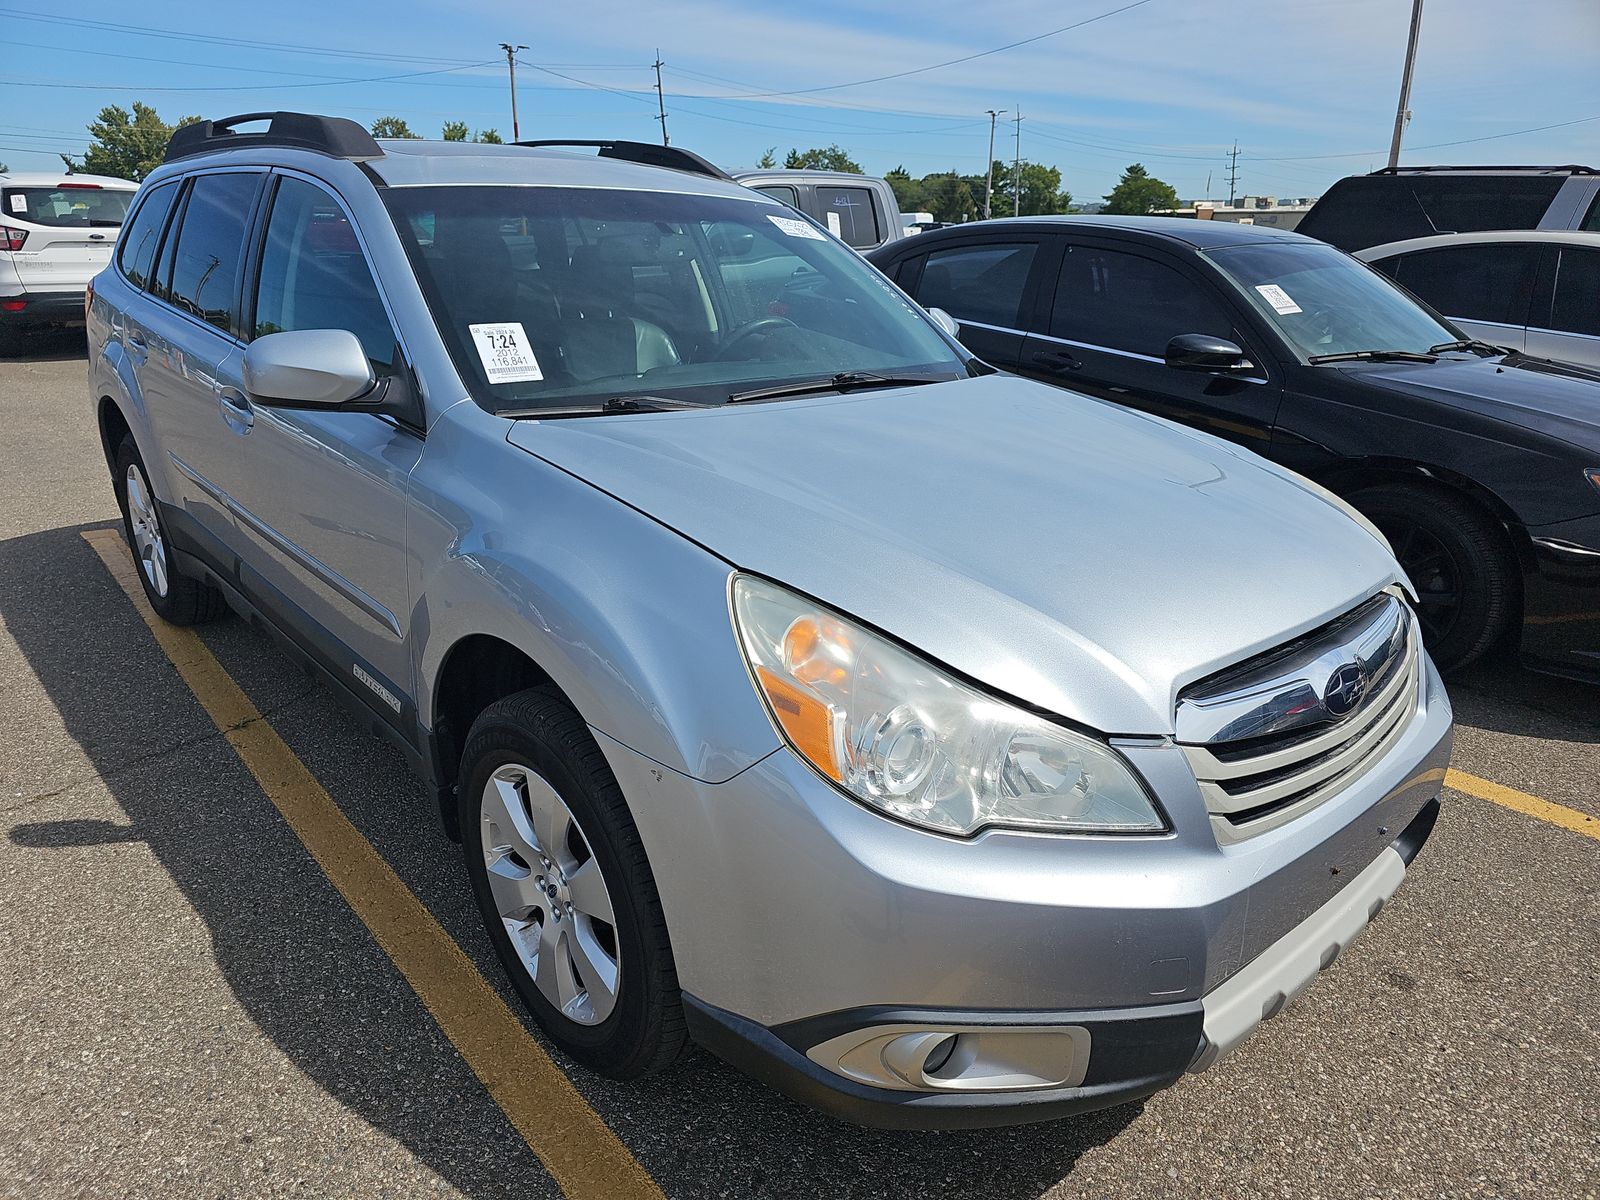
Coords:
pixel 564 297
pixel 1325 302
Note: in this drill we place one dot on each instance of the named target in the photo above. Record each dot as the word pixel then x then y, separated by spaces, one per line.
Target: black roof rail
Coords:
pixel 648 154
pixel 338 136
pixel 1569 169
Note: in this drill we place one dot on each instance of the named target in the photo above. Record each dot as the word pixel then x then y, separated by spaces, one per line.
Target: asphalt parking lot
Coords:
pixel 189 1006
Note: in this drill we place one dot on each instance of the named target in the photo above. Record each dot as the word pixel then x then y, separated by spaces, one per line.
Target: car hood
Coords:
pixel 1082 558
pixel 1558 399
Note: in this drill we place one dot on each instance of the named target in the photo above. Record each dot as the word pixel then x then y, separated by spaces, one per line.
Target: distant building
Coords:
pixel 1270 211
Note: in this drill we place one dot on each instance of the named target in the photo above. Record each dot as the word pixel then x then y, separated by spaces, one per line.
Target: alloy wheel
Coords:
pixel 1433 572
pixel 550 893
pixel 148 543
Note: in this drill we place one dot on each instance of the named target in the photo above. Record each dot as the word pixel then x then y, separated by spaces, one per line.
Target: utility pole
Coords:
pixel 1016 171
pixel 988 182
pixel 511 64
pixel 1233 174
pixel 1402 114
pixel 661 101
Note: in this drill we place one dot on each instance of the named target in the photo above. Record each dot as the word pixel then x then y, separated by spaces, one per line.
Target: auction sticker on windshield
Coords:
pixel 505 353
pixel 796 228
pixel 1278 298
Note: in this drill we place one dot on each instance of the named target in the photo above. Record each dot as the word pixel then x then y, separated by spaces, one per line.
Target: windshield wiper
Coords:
pixel 844 381
pixel 1375 356
pixel 615 404
pixel 1468 344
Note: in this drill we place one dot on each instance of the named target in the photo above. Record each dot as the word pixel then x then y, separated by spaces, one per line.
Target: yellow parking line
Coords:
pixel 580 1151
pixel 1545 810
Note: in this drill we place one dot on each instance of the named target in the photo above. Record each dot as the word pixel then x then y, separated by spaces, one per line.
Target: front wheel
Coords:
pixel 565 890
pixel 1457 559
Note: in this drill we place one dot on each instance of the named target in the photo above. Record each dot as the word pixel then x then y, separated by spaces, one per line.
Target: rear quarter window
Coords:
pixel 137 253
pixel 1371 210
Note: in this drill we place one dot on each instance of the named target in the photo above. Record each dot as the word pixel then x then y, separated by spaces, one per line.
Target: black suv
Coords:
pixel 1482 468
pixel 1399 203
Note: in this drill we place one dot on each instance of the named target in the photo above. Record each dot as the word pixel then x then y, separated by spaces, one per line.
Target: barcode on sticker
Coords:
pixel 504 352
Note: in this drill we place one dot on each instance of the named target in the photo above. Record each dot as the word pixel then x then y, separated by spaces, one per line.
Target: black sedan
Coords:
pixel 1481 467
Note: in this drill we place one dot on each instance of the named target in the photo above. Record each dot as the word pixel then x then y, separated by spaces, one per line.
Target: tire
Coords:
pixel 528 759
pixel 177 599
pixel 1458 560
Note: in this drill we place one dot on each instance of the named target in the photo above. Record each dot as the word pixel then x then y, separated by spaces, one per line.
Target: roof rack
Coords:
pixel 1569 169
pixel 647 154
pixel 338 136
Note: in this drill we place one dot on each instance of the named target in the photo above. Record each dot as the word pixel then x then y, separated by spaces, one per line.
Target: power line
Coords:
pixel 1039 37
pixel 320 81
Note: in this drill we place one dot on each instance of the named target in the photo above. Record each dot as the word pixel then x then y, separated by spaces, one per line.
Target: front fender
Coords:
pixel 627 617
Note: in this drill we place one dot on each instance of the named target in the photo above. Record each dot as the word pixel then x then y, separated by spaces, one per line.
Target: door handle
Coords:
pixel 1056 360
pixel 135 341
pixel 236 409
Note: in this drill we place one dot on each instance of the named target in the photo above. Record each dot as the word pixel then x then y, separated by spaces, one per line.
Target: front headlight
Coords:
pixel 917 744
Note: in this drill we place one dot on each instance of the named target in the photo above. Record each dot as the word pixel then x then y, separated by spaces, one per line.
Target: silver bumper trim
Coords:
pixel 1270 983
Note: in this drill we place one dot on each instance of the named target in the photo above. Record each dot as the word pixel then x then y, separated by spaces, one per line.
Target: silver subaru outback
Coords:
pixel 941 747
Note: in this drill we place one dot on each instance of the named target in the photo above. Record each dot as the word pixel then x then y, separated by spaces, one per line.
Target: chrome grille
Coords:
pixel 1266 741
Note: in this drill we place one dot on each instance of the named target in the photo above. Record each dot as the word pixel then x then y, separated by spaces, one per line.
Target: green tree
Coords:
pixel 908 192
pixel 5 169
pixel 1139 192
pixel 454 131
pixel 1042 194
pixel 123 144
pixel 768 159
pixel 392 127
pixel 489 137
pixel 828 158
pixel 949 197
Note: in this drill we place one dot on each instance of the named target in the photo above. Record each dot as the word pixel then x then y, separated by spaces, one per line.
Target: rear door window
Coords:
pixel 137 254
pixel 1575 306
pixel 210 246
pixel 849 213
pixel 1130 303
pixel 1476 283
pixel 67 205
pixel 983 283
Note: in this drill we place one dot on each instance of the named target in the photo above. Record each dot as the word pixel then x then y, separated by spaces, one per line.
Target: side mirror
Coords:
pixel 1202 352
pixel 308 368
pixel 945 321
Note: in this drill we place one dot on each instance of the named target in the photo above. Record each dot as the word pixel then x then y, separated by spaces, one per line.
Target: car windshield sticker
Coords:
pixel 19 202
pixel 835 227
pixel 505 353
pixel 796 228
pixel 1278 298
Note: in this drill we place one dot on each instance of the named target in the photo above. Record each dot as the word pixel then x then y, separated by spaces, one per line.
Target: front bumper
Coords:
pixel 795 912
pixel 1561 599
pixel 1126 1054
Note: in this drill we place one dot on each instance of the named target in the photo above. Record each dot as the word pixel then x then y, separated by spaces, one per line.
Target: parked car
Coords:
pixel 56 232
pixel 1482 469
pixel 939 748
pixel 861 210
pixel 1400 203
pixel 1538 292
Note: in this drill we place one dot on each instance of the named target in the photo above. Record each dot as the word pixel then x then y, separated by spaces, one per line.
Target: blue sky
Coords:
pixel 1307 87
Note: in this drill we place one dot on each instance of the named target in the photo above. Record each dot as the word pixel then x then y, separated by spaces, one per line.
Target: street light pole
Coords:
pixel 511 63
pixel 988 183
pixel 1016 171
pixel 1403 112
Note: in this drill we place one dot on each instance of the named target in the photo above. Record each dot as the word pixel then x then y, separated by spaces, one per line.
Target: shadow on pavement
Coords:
pixel 312 979
pixel 48 345
pixel 1501 695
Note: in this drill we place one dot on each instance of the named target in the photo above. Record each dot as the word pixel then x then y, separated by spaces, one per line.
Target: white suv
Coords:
pixel 56 234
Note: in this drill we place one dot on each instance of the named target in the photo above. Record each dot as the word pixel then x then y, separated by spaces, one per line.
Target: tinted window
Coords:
pixel 1108 298
pixel 1576 307
pixel 313 274
pixel 1478 283
pixel 137 254
pixel 848 212
pixel 783 192
pixel 1591 223
pixel 1371 210
pixel 978 283
pixel 68 205
pixel 210 246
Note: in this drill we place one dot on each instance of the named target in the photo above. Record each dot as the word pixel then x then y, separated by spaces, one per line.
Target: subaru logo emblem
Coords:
pixel 1344 691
